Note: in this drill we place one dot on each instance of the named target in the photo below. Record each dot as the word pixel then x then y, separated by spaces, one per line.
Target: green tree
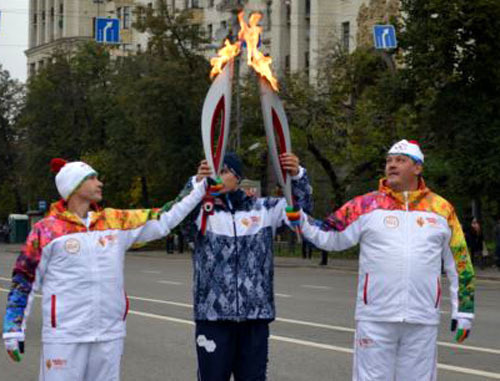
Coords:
pixel 451 61
pixel 11 103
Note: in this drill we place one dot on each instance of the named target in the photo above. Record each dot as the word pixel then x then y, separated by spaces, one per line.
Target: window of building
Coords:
pixel 210 31
pixel 287 63
pixel 223 25
pixel 288 13
pixel 308 8
pixel 32 69
pixel 345 35
pixel 211 3
pixel 306 62
pixel 126 17
pixel 195 3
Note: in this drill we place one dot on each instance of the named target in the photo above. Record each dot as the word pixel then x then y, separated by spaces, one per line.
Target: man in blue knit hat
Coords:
pixel 233 273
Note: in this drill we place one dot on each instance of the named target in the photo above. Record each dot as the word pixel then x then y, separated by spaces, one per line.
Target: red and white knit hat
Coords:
pixel 409 148
pixel 69 176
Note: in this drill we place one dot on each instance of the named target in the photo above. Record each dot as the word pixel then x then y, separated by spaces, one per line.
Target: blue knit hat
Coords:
pixel 233 163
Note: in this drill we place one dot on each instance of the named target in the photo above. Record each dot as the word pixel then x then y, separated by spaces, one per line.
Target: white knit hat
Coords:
pixel 408 148
pixel 70 176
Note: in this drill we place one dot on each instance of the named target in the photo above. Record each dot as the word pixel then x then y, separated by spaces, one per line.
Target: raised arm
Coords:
pixel 149 224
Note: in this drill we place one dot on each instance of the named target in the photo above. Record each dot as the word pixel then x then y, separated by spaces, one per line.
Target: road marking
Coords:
pixel 316 287
pixel 151 272
pixel 185 305
pixel 161 317
pixel 316 325
pixel 312 344
pixel 282 295
pixel 312 324
pixel 169 282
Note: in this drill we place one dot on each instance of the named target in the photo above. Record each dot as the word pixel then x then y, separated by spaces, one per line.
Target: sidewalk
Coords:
pixel 348 265
pixel 351 265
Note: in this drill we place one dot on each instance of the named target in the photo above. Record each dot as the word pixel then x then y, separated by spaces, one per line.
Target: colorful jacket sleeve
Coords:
pixel 302 197
pixel 22 284
pixel 149 224
pixel 459 270
pixel 339 231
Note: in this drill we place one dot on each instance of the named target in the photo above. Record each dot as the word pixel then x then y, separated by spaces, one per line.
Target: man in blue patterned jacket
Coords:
pixel 233 273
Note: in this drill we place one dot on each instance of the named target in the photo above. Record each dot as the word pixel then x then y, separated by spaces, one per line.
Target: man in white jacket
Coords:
pixel 405 231
pixel 75 257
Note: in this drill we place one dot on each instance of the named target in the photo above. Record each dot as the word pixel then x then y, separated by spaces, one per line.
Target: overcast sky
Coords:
pixel 14 37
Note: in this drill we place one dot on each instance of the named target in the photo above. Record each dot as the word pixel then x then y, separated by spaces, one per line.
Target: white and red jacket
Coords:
pixel 403 238
pixel 78 268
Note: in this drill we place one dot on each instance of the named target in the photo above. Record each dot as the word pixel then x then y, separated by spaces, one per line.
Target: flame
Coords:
pixel 249 33
pixel 225 54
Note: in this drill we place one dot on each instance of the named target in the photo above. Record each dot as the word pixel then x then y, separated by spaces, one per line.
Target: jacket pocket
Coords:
pixel 53 317
pixel 365 289
pixel 438 293
pixel 127 305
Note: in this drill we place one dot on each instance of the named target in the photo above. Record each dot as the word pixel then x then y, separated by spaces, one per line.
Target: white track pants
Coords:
pixel 98 361
pixel 394 352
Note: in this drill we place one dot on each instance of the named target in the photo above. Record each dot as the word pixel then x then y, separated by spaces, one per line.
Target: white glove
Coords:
pixel 15 349
pixel 463 327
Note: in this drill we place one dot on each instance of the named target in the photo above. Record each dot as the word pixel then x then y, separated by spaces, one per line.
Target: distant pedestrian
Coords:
pixel 475 243
pixel 497 242
pixel 306 250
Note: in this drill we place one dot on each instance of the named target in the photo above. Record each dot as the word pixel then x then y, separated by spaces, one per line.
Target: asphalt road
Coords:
pixel 311 339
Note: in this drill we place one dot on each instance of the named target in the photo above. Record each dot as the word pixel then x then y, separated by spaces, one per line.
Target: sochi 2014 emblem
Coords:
pixel 72 246
pixel 391 222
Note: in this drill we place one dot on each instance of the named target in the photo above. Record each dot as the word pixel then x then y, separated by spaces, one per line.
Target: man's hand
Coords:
pixel 203 171
pixel 290 162
pixel 463 328
pixel 15 349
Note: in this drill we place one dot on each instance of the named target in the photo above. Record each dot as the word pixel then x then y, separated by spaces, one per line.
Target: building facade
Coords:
pixel 294 31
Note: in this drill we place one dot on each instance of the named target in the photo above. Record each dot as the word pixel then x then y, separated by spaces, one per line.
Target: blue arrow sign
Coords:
pixel 107 31
pixel 384 37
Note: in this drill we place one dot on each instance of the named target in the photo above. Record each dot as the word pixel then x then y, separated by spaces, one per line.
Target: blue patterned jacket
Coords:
pixel 233 261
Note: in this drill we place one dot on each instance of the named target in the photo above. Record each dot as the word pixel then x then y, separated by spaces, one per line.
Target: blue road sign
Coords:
pixel 107 31
pixel 384 37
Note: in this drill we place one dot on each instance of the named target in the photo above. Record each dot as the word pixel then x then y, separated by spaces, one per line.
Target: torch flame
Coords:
pixel 225 54
pixel 249 33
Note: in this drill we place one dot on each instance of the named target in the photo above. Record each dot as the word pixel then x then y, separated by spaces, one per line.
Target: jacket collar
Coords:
pixel 60 210
pixel 412 197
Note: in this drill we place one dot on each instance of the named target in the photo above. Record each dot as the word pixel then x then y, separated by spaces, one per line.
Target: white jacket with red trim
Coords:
pixel 79 269
pixel 403 238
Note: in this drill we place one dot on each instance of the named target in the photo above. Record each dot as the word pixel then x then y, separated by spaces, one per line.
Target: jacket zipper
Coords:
pixel 407 256
pixel 236 264
pixel 236 255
